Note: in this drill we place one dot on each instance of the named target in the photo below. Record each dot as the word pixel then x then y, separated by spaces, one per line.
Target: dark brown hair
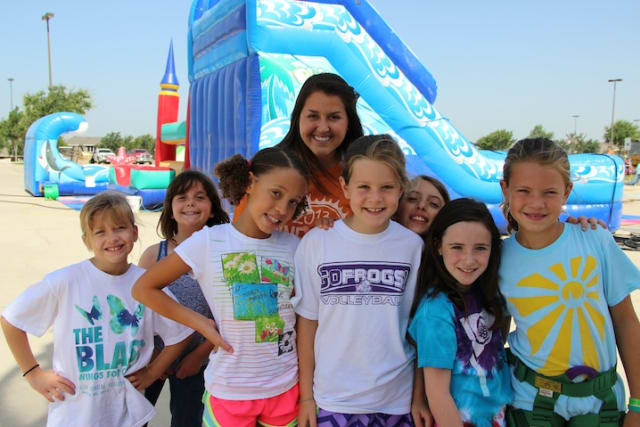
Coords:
pixel 330 84
pixel 234 172
pixel 434 278
pixel 540 150
pixel 167 226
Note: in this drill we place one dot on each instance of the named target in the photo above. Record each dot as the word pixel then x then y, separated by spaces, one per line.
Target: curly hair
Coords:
pixel 235 179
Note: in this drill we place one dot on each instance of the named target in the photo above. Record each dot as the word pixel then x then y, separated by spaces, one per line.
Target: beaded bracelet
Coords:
pixel 30 369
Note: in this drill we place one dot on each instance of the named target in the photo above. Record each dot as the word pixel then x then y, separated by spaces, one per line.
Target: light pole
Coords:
pixel 613 109
pixel 575 126
pixel 11 92
pixel 46 17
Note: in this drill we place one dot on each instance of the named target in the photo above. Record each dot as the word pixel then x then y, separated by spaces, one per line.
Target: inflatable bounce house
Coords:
pixel 48 173
pixel 249 58
pixel 46 169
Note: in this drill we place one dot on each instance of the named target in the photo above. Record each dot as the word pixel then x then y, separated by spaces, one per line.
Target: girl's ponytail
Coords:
pixel 234 178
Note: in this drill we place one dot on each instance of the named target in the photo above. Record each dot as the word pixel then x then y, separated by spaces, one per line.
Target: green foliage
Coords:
pixel 115 140
pixel 11 133
pixel 622 129
pixel 501 139
pixel 579 144
pixel 145 141
pixel 538 131
pixel 40 104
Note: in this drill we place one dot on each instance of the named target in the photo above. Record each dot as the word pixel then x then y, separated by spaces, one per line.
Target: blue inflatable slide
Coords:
pixel 43 163
pixel 249 58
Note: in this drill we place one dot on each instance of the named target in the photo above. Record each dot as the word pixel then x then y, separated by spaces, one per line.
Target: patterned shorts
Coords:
pixel 335 419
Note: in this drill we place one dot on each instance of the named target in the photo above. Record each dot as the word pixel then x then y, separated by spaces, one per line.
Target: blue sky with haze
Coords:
pixel 498 64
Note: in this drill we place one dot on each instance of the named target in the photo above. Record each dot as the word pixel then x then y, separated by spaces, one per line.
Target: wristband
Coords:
pixel 634 408
pixel 30 369
pixel 634 401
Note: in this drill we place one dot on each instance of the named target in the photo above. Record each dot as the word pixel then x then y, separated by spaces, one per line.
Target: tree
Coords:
pixel 42 103
pixel 11 133
pixel 501 139
pixel 579 144
pixel 146 141
pixel 621 129
pixel 114 140
pixel 539 132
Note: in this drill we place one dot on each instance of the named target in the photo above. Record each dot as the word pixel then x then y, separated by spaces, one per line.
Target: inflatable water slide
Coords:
pixel 249 58
pixel 44 165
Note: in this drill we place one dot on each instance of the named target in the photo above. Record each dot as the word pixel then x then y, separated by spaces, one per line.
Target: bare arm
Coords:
pixel 306 333
pixel 149 257
pixel 192 362
pixel 148 290
pixel 443 408
pixel 419 406
pixel 144 377
pixel 627 330
pixel 46 382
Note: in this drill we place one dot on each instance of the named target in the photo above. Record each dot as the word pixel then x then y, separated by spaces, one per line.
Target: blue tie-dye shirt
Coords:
pixel 447 339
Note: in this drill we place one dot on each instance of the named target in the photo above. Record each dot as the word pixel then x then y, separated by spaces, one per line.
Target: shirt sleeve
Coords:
pixel 193 251
pixel 433 331
pixel 35 310
pixel 620 275
pixel 307 282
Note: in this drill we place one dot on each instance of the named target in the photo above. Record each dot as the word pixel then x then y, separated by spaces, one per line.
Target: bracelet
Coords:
pixel 30 369
pixel 634 401
pixel 634 408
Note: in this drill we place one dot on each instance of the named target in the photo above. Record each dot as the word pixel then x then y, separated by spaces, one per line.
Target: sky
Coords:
pixel 499 64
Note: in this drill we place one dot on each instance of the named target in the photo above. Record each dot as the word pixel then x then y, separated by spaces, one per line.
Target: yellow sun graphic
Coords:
pixel 570 299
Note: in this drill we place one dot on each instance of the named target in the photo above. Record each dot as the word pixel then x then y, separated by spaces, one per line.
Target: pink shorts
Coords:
pixel 280 410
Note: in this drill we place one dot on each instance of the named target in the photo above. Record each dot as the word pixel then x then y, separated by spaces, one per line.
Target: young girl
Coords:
pixel 568 292
pixel 102 337
pixel 245 271
pixel 354 288
pixel 324 122
pixel 420 203
pixel 191 203
pixel 459 315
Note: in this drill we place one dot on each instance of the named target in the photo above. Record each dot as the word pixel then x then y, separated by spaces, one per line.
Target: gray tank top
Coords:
pixel 188 293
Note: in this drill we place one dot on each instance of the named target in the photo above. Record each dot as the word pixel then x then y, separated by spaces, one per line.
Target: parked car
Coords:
pixel 100 155
pixel 141 155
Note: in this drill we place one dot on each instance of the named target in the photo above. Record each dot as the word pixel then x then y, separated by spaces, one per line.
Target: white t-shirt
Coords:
pixel 360 288
pixel 247 283
pixel 100 334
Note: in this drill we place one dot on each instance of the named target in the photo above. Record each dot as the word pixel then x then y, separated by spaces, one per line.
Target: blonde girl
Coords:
pixel 103 339
pixel 569 294
pixel 354 288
